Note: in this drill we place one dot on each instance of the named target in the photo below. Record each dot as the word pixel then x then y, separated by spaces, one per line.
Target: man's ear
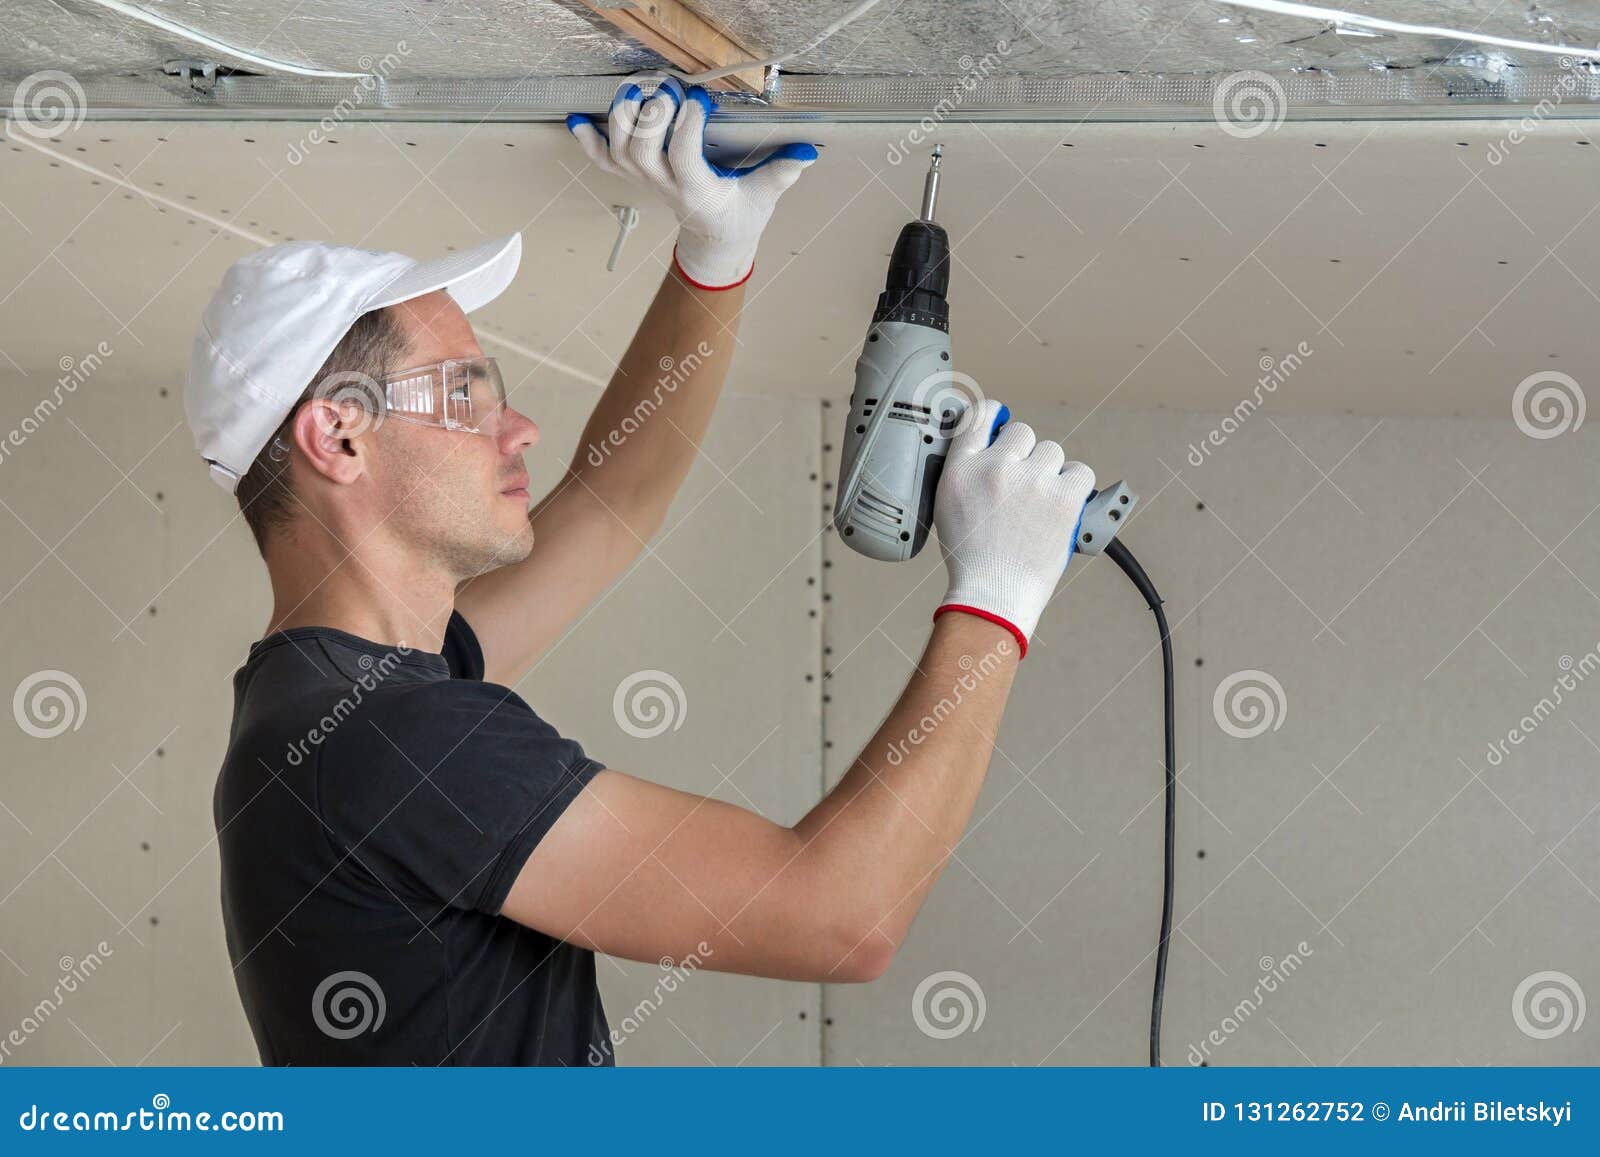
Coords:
pixel 329 433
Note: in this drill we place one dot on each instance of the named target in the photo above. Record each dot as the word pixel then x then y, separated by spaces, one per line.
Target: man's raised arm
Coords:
pixel 643 435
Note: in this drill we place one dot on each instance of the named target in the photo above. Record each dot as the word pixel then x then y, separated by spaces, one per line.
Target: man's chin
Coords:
pixel 500 548
pixel 513 548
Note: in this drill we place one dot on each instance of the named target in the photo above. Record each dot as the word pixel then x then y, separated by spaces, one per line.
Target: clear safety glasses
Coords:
pixel 465 394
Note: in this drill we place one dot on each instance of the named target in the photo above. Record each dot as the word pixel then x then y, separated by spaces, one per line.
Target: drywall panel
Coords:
pixel 699 669
pixel 1377 602
pixel 130 592
pixel 1406 604
pixel 1132 266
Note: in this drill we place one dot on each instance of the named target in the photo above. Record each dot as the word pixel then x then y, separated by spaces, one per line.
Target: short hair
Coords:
pixel 372 347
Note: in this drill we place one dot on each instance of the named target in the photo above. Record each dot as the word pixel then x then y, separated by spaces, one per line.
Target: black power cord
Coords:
pixel 1129 566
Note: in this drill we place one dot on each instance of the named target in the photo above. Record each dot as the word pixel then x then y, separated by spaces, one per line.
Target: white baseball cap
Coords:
pixel 280 312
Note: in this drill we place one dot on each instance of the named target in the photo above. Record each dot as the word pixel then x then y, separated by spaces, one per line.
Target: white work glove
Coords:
pixel 721 212
pixel 1007 517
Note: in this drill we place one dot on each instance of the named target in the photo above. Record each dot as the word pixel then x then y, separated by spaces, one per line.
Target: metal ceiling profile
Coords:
pixel 529 60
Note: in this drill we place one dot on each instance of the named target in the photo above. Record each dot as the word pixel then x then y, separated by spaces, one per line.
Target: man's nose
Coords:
pixel 517 431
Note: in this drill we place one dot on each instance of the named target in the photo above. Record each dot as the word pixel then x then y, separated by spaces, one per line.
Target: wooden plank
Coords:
pixel 684 37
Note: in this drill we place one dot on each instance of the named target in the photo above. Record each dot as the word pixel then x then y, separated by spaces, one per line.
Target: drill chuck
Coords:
pixel 918 279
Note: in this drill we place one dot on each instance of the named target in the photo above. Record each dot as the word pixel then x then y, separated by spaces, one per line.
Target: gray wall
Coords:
pixel 1413 603
pixel 1410 614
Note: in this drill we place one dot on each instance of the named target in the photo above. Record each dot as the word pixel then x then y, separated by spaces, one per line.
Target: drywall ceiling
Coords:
pixel 486 47
pixel 1122 266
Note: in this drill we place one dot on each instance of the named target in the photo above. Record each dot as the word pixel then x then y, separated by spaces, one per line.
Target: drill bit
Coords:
pixel 930 185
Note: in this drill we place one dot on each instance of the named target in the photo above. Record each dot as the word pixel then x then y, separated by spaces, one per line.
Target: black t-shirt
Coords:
pixel 372 812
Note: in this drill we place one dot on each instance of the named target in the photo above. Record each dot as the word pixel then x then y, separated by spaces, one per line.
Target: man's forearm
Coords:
pixel 881 837
pixel 643 435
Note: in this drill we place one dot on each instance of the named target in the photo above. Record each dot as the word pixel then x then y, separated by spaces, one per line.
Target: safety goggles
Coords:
pixel 464 394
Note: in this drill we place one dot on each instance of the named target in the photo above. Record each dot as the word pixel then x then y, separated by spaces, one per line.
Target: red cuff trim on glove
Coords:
pixel 1022 640
pixel 712 288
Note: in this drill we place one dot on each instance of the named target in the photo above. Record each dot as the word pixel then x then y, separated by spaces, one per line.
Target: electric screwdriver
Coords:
pixel 909 402
pixel 907 405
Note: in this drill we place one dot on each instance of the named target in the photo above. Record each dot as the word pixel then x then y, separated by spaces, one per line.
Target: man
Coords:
pixel 415 867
